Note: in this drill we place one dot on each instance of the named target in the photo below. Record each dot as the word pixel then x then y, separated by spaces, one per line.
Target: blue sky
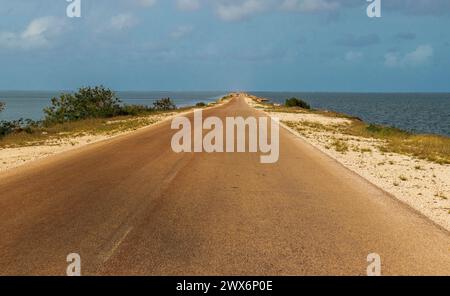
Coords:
pixel 280 45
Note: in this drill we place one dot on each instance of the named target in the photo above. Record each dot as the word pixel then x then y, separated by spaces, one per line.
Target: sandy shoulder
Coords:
pixel 14 157
pixel 17 156
pixel 423 185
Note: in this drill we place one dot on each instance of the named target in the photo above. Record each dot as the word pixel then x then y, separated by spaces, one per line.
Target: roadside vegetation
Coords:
pixel 89 111
pixel 294 102
pixel 430 147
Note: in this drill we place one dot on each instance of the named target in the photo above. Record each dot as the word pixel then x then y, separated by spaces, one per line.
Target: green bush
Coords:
pixel 164 105
pixel 2 106
pixel 200 105
pixel 294 102
pixel 97 102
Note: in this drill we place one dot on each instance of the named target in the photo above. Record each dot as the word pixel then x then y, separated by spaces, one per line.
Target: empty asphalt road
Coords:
pixel 131 206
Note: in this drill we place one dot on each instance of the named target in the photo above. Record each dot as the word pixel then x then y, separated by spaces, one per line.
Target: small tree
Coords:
pixel 164 105
pixel 97 102
pixel 294 102
pixel 2 106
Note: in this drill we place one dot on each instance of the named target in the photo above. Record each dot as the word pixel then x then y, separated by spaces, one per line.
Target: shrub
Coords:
pixel 97 102
pixel 294 102
pixel 164 105
pixel 17 126
pixel 200 105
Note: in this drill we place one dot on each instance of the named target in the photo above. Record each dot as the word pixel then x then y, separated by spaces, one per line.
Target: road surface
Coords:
pixel 131 206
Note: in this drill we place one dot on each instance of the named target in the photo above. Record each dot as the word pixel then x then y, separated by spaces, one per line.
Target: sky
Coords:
pixel 271 45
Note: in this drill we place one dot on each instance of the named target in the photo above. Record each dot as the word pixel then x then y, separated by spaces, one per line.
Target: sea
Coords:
pixel 415 112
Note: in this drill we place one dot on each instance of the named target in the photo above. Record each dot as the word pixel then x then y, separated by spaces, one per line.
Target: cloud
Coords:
pixel 310 5
pixel 181 31
pixel 353 56
pixel 360 41
pixel 420 56
pixel 235 11
pixel 188 5
pixel 39 33
pixel 123 21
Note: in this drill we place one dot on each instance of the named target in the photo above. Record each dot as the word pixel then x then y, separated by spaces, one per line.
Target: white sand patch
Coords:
pixel 310 117
pixel 14 157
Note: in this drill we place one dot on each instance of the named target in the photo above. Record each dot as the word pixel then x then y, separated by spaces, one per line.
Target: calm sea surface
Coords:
pixel 418 112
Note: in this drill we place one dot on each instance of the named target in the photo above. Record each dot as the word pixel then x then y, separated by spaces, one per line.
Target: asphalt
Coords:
pixel 131 206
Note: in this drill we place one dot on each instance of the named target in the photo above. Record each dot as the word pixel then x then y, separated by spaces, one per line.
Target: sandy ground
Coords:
pixel 17 156
pixel 423 185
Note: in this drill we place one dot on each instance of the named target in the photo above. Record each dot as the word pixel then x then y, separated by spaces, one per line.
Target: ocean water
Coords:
pixel 416 112
pixel 29 104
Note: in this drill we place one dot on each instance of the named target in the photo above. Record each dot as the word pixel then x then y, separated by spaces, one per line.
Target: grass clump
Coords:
pixel 403 178
pixel 340 146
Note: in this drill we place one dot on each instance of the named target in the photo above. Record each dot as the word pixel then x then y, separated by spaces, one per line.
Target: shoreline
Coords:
pixel 419 183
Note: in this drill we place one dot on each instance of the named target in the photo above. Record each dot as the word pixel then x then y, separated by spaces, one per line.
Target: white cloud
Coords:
pixel 310 5
pixel 39 33
pixel 123 21
pixel 239 11
pixel 188 5
pixel 181 31
pixel 420 56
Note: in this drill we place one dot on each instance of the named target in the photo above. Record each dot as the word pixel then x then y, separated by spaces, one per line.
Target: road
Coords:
pixel 131 206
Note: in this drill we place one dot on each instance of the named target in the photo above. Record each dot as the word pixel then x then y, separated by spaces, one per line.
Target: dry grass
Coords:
pixel 340 146
pixel 430 147
pixel 101 126
pixel 434 148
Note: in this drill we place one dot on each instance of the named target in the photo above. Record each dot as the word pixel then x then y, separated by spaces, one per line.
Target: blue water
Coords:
pixel 29 104
pixel 416 112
